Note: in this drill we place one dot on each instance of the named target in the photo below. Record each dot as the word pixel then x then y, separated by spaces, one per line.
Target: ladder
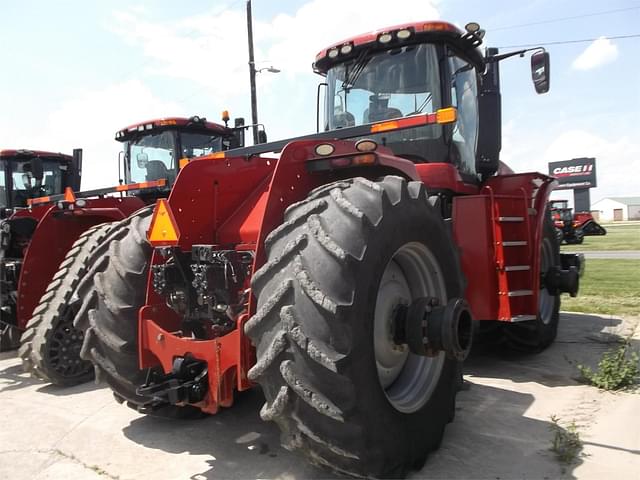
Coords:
pixel 514 255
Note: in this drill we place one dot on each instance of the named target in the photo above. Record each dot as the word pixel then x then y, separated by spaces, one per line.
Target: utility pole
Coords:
pixel 252 76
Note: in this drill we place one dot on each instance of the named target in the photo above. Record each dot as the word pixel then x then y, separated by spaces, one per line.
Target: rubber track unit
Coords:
pixel 50 346
pixel 313 329
pixel 113 292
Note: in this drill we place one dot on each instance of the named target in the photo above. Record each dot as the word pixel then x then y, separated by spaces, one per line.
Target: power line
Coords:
pixel 562 19
pixel 564 42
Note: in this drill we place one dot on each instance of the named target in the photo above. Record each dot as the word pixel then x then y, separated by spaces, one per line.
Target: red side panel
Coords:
pixel 498 233
pixel 444 176
pixel 473 233
pixel 55 234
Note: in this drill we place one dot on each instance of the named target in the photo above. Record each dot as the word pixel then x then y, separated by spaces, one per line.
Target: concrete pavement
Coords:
pixel 617 254
pixel 501 430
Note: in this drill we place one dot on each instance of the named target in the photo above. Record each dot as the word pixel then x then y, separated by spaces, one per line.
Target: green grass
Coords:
pixel 618 237
pixel 608 286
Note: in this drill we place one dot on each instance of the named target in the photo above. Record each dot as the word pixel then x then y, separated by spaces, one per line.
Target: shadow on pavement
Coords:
pixel 51 389
pixel 240 444
pixel 582 339
pixel 13 377
pixel 491 437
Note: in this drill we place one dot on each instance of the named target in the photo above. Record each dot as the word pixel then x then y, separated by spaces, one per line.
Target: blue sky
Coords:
pixel 74 72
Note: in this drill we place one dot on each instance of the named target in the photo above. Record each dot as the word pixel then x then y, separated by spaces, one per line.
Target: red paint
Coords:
pixel 480 235
pixel 34 153
pixel 172 122
pixel 54 235
pixel 370 37
pixel 226 370
pixel 444 176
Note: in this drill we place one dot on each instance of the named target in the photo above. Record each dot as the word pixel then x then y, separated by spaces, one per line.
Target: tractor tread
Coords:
pixel 303 331
pixel 113 296
pixel 54 311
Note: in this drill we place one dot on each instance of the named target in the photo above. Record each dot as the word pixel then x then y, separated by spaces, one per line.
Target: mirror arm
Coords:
pixel 497 58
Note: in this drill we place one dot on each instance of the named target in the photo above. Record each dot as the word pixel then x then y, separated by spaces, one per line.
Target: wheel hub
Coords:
pixel 408 380
pixel 64 351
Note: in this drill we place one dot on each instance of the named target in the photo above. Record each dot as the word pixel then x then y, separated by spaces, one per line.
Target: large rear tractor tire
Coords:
pixel 536 335
pixel 50 345
pixel 341 391
pixel 114 291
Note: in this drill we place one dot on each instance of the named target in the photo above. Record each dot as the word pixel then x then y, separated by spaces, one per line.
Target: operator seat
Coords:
pixel 344 120
pixel 380 114
pixel 156 170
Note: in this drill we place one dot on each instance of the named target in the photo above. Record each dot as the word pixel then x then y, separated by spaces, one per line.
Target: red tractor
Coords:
pixel 346 275
pixel 43 265
pixel 24 175
pixel 572 228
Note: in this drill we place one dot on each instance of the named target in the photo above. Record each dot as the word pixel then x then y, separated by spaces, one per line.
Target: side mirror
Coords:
pixel 142 159
pixel 237 140
pixel 540 71
pixel 37 170
pixel 74 176
pixel 262 136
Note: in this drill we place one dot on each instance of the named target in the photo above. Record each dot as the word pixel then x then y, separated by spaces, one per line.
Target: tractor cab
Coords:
pixel 560 212
pixel 157 149
pixel 28 174
pixel 413 69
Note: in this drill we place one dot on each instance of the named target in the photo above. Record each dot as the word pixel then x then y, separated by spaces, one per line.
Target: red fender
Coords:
pixel 54 235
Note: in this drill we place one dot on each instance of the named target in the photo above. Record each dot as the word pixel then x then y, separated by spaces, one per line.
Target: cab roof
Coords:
pixel 419 32
pixel 194 123
pixel 5 154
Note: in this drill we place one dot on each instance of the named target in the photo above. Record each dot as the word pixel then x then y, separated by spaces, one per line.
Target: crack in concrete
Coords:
pixel 56 451
pixel 99 470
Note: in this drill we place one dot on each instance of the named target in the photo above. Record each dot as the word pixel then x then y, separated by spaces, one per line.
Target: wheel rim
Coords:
pixel 64 351
pixel 545 299
pixel 407 380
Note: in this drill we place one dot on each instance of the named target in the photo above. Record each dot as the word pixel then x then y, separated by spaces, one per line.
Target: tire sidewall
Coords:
pixel 401 431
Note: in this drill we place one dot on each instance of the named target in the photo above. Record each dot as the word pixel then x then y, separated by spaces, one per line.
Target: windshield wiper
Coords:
pixel 358 67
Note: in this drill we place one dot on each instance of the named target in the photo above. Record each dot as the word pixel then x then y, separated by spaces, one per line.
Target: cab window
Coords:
pixel 464 96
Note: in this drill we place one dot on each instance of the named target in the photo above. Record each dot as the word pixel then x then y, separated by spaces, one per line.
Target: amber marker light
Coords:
pixel 446 115
pixel 69 196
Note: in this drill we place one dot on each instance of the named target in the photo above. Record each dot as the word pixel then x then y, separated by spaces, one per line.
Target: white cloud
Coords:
pixel 90 122
pixel 600 52
pixel 207 55
pixel 210 49
pixel 617 159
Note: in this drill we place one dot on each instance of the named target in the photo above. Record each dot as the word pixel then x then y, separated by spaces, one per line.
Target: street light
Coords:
pixel 268 69
pixel 252 75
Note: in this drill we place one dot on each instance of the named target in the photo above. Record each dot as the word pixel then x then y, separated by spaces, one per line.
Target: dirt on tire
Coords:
pixel 312 328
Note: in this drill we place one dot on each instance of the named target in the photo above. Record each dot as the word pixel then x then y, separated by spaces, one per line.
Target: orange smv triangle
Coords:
pixel 69 196
pixel 164 231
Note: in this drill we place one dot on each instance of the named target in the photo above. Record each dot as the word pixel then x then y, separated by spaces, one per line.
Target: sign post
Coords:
pixel 578 175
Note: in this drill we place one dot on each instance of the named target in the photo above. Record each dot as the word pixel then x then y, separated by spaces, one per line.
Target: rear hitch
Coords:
pixel 187 382
pixel 429 328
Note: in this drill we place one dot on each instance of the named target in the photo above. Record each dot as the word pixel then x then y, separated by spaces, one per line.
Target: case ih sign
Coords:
pixel 576 173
